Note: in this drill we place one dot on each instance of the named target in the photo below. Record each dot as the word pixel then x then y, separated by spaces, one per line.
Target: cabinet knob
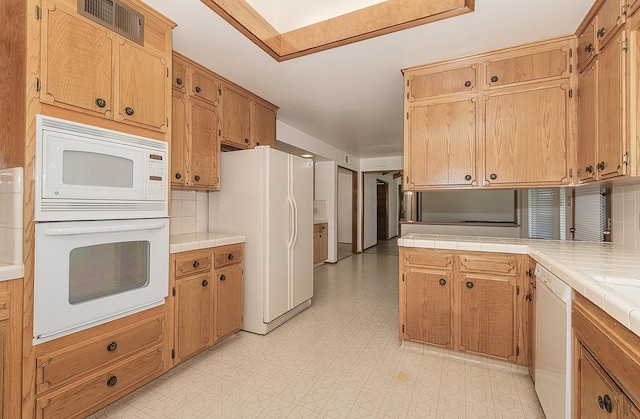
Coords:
pixel 493 176
pixel 178 80
pixel 529 273
pixel 257 143
pixel 112 346
pixel 607 404
pixel 198 89
pixel 601 32
pixel 601 166
pixel 467 177
pixel 230 257
pixel 178 176
pixel 196 263
pixel 469 284
pixel 467 83
pixel 101 103
pixel 589 48
pixel 246 141
pixel 128 110
pixel 529 298
pixel 223 277
pixel 112 381
pixel 442 281
pixel 589 169
pixel 494 79
pixel 197 178
pixel 205 283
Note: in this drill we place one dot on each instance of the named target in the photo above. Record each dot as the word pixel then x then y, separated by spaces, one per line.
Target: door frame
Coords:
pixel 380 182
pixel 354 208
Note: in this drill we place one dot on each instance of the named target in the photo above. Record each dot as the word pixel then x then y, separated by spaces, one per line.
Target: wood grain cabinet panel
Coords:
pixel 441 150
pixel 587 48
pixel 180 146
pixel 189 263
pixel 228 255
pixel 194 315
pixel 536 66
pixel 598 396
pixel 526 134
pixel 205 87
pixel 179 79
pixel 633 6
pixel 320 242
pixel 229 299
pixel 204 154
pixel 264 125
pixel 609 20
pixel 429 84
pixel 236 118
pixel 10 347
pixel 529 317
pixel 429 308
pixel 630 411
pixel 587 124
pixel 429 259
pixel 495 263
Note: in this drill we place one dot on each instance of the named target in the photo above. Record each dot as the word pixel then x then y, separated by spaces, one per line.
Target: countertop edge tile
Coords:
pixel 9 272
pixel 195 241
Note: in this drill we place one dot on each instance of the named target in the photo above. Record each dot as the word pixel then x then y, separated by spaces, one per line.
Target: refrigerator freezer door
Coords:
pixel 301 253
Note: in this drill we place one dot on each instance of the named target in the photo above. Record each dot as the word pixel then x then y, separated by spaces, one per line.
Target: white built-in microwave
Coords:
pixel 89 173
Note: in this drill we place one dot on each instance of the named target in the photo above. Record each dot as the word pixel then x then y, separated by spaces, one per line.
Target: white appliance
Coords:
pixel 85 172
pixel 553 344
pixel 102 232
pixel 267 195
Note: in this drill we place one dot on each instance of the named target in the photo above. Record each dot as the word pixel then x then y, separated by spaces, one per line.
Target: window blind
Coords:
pixel 542 214
pixel 589 222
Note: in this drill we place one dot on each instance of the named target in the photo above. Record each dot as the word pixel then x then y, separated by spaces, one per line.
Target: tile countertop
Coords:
pixel 606 274
pixel 8 271
pixel 320 220
pixel 184 242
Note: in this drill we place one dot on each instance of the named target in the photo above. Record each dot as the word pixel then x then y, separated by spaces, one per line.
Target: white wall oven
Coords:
pixel 102 232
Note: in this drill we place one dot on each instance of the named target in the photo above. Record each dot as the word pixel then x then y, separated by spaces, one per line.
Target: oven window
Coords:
pixel 96 169
pixel 107 269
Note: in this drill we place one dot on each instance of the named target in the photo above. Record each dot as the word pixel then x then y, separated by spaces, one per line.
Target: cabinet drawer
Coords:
pixel 489 263
pixel 56 369
pixel 428 258
pixel 204 87
pixel 228 255
pixel 586 45
pixel 609 19
pixel 179 80
pixel 320 228
pixel 102 388
pixel 423 86
pixel 192 262
pixel 530 67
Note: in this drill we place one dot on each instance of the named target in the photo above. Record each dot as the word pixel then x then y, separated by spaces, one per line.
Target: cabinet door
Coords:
pixel 586 45
pixel 633 7
pixel 264 125
pixel 229 299
pixel 194 315
pixel 609 20
pixel 323 239
pixel 205 87
pixel 179 79
pixel 530 331
pixel 76 62
pixel 536 66
pixel 526 136
pixel 429 307
pixel 587 165
pixel 205 146
pixel 236 118
pixel 424 85
pixel 179 135
pixel 611 109
pixel 488 315
pixel 440 148
pixel 142 80
pixel 630 411
pixel 597 394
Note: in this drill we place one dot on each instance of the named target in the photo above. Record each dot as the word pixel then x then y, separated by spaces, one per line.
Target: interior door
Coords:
pixel 301 253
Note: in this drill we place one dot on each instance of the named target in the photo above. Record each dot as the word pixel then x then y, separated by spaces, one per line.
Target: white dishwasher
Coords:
pixel 553 344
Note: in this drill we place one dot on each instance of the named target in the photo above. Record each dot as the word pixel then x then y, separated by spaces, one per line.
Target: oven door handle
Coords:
pixel 106 229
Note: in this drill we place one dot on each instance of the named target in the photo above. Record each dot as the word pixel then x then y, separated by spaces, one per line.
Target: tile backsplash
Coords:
pixel 319 209
pixel 189 211
pixel 626 215
pixel 11 191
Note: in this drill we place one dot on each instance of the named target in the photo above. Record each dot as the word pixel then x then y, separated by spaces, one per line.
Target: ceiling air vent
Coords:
pixel 116 16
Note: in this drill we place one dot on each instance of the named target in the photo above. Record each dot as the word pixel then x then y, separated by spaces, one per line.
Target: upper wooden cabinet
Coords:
pixel 263 127
pixel 425 84
pixel 609 19
pixel 512 130
pixel 236 117
pixel 205 87
pixel 88 68
pixel 586 49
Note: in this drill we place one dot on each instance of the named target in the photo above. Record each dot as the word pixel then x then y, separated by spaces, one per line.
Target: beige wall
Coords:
pixel 626 215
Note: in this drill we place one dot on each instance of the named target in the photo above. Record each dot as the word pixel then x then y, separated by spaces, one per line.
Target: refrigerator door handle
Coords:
pixel 295 222
pixel 291 223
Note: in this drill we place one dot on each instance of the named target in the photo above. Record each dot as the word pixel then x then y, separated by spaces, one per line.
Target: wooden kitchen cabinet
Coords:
pixel 10 347
pixel 195 136
pixel 320 242
pixel 523 146
pixel 528 65
pixel 609 19
pixel 529 319
pixel 205 87
pixel 587 124
pixel 88 68
pixel 442 150
pixel 236 117
pixel 81 373
pixel 587 47
pixel 465 301
pixel 606 364
pixel 208 296
pixel 427 84
pixel 264 124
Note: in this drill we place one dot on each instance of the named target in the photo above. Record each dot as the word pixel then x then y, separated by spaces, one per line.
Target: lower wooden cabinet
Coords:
pixel 606 363
pixel 320 242
pixel 10 348
pixel 207 288
pixel 81 373
pixel 529 318
pixel 467 301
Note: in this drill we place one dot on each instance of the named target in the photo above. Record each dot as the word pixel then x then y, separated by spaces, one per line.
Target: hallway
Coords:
pixel 341 358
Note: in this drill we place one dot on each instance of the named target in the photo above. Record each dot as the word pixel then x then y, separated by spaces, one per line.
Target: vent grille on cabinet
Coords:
pixel 116 16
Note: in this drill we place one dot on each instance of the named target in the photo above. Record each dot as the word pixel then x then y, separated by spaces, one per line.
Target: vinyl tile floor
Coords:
pixel 341 358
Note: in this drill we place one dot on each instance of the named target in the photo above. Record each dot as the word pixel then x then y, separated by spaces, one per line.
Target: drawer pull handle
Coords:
pixel 197 178
pixel 230 257
pixel 223 277
pixel 601 32
pixel 112 381
pixel 589 169
pixel 129 110
pixel 601 166
pixel 469 284
pixel 101 103
pixel 467 83
pixel 246 141
pixel 196 264
pixel 178 176
pixel 493 176
pixel 205 283
pixel 589 48
pixel 467 177
pixel 112 346
pixel 494 79
pixel 198 89
pixel 442 281
pixel 178 81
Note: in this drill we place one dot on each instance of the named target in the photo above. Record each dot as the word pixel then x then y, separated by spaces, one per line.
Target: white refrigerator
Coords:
pixel 267 195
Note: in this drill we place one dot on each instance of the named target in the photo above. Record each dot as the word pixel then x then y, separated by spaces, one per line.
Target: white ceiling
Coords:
pixel 351 96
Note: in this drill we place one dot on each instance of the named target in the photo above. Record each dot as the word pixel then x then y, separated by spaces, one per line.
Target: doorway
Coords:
pixel 347 213
pixel 382 209
pixel 380 206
